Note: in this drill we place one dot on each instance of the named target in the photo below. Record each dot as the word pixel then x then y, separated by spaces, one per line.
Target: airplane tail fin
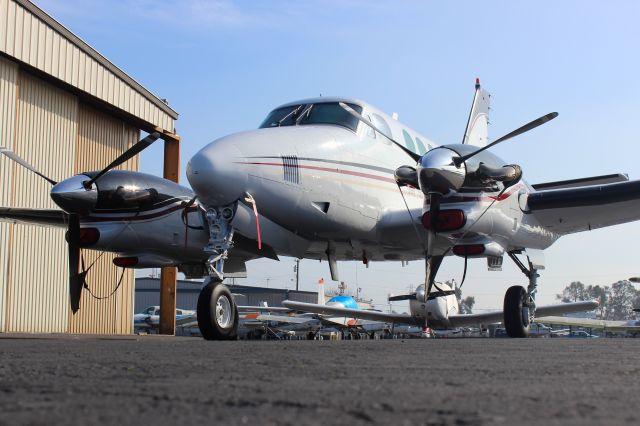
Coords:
pixel 321 291
pixel 477 130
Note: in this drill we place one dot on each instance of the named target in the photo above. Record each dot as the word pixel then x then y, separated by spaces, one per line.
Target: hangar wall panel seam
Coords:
pixel 8 92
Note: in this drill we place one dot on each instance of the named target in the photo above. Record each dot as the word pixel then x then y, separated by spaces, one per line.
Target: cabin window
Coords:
pixel 421 149
pixel 381 124
pixel 330 113
pixel 319 113
pixel 285 116
pixel 408 141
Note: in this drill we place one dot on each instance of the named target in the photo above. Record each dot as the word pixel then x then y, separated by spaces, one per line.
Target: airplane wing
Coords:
pixel 279 318
pixel 263 309
pixel 574 209
pixel 42 217
pixel 497 316
pixel 590 323
pixel 352 313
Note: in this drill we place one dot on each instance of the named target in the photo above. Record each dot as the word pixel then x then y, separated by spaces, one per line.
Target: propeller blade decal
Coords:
pixel 413 155
pixel 12 155
pixel 529 126
pixel 131 152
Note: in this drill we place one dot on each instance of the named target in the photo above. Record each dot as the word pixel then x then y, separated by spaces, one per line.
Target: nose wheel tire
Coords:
pixel 516 313
pixel 217 313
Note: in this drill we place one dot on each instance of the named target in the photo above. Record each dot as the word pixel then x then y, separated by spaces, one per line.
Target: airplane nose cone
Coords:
pixel 71 195
pixel 215 175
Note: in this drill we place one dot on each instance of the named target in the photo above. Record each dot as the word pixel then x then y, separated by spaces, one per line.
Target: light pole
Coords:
pixel 296 268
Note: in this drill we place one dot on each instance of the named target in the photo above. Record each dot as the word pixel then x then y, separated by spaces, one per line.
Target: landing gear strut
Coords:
pixel 519 303
pixel 217 311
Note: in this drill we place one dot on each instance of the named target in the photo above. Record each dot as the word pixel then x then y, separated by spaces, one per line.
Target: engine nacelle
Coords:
pixel 436 307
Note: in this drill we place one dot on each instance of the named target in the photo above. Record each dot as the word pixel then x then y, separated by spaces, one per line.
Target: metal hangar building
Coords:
pixel 65 109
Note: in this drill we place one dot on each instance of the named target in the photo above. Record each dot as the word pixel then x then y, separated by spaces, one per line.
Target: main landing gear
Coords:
pixel 217 311
pixel 519 303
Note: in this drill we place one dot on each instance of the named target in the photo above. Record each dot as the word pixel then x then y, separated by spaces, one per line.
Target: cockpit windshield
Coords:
pixel 318 113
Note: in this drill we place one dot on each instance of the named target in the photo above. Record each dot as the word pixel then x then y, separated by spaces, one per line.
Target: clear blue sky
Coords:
pixel 223 65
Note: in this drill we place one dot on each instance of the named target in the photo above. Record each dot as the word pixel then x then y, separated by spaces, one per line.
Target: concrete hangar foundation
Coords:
pixel 65 109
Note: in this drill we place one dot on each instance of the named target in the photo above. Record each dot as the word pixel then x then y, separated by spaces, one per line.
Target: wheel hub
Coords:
pixel 223 312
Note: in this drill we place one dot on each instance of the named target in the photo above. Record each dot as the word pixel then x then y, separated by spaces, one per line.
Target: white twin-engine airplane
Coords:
pixel 325 178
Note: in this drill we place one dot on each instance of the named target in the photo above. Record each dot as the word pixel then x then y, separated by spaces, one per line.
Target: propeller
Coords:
pixel 129 153
pixel 73 236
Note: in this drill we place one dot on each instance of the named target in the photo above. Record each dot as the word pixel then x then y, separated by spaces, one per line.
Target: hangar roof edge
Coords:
pixel 85 47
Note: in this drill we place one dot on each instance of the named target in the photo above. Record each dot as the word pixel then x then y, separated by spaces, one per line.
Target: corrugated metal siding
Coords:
pixel 37 295
pixel 8 93
pixel 27 38
pixel 102 138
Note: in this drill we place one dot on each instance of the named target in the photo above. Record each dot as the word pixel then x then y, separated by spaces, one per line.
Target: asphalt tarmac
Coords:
pixel 161 380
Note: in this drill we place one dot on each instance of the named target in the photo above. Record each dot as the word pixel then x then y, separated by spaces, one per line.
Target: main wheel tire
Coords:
pixel 514 321
pixel 217 313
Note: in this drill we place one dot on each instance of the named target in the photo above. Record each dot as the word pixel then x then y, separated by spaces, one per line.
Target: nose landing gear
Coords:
pixel 217 311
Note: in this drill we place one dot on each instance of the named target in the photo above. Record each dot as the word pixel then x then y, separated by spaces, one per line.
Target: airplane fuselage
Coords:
pixel 328 186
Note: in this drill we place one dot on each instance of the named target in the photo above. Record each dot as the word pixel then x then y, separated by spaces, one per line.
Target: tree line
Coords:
pixel 616 301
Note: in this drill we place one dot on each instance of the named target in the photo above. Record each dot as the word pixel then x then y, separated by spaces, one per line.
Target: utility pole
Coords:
pixel 297 269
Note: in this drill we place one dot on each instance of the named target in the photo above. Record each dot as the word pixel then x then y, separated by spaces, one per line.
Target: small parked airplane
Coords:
pixel 441 307
pixel 149 318
pixel 325 178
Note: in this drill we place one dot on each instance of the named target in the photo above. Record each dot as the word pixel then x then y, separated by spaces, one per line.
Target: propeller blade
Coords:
pixel 441 293
pixel 76 279
pixel 434 212
pixel 12 155
pixel 131 152
pixel 356 114
pixel 413 296
pixel 400 297
pixel 529 126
